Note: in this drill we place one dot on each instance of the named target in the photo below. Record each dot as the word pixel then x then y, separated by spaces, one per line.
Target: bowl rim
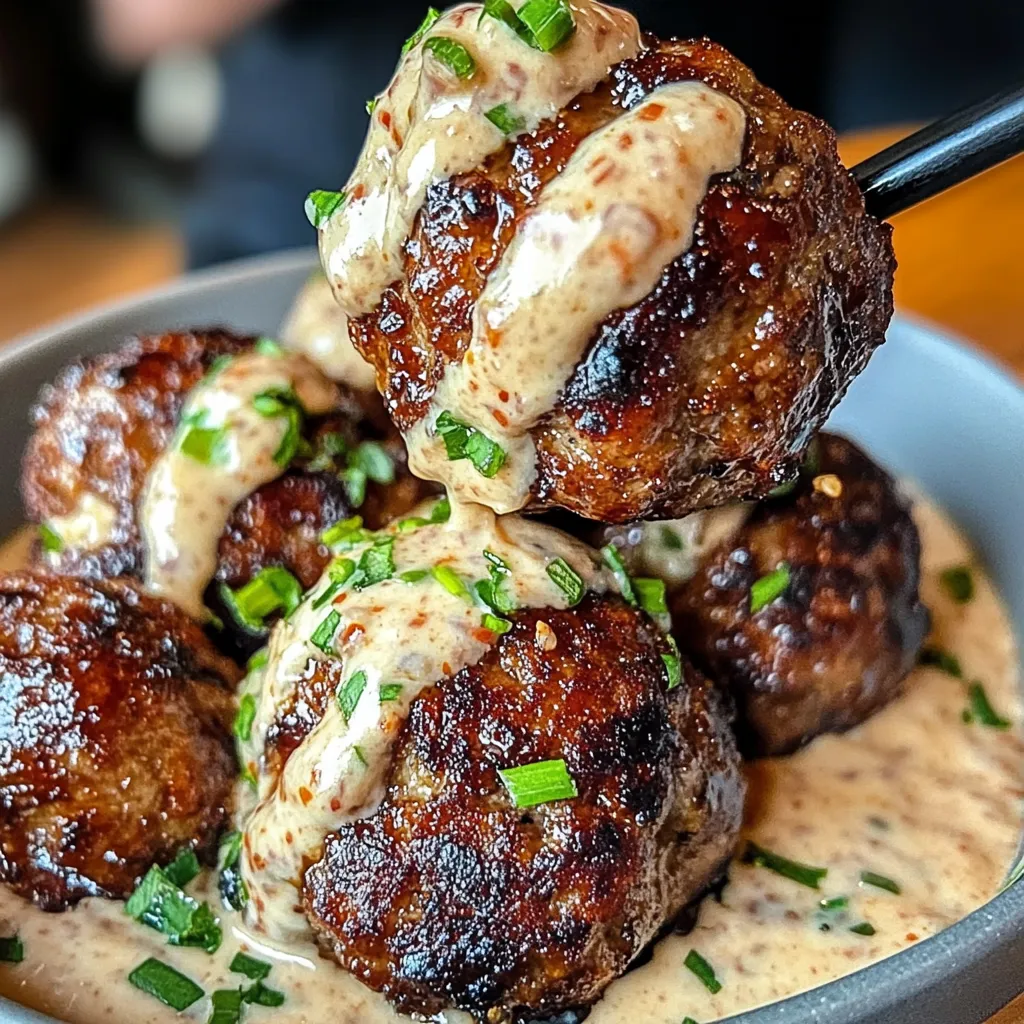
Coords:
pixel 868 994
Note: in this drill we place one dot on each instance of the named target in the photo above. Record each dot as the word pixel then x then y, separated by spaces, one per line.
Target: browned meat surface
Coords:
pixel 451 895
pixel 835 646
pixel 115 737
pixel 708 389
pixel 102 425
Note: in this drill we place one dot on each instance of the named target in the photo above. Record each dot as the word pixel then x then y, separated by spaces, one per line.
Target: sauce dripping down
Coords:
pixel 395 633
pixel 187 500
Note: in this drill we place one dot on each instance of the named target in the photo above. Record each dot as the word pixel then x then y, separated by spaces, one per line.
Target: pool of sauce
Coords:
pixel 916 794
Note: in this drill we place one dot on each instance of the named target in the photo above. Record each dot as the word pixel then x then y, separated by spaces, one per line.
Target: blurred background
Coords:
pixel 141 136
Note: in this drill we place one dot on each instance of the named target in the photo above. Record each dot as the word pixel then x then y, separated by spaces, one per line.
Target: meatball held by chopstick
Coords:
pixel 598 271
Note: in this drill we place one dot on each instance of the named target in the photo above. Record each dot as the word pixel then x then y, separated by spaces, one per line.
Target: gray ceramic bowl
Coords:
pixel 927 407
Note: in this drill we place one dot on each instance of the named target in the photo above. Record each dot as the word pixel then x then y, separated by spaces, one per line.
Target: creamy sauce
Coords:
pixel 409 634
pixel 318 329
pixel 91 525
pixel 598 240
pixel 914 794
pixel 187 500
pixel 429 125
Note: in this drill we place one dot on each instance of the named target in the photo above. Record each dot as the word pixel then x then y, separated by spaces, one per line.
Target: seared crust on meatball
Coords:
pixel 709 389
pixel 450 895
pixel 836 645
pixel 115 737
pixel 103 424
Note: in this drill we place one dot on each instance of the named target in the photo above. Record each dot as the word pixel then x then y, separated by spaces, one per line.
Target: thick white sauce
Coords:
pixel 316 327
pixel 915 794
pixel 409 634
pixel 187 501
pixel 88 527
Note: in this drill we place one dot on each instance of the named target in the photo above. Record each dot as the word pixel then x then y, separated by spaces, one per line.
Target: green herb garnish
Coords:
pixel 538 783
pixel 768 588
pixel 257 661
pixel 567 580
pixel 495 624
pixel 864 928
pixel 283 403
pixel 671 540
pixel 835 903
pixel 451 581
pixel 272 590
pixel 163 982
pixel 244 718
pixel 453 55
pixel 184 868
pixel 613 559
pixel 432 15
pixel 349 693
pixel 260 995
pixel 225 1006
pixel 491 591
pixel 168 909
pixel 505 120
pixel 462 441
pixel 705 972
pixel 880 882
pixel 390 692
pixel 805 874
pixel 322 204
pixel 980 708
pixel 12 949
pixel 502 11
pixel 52 542
pixel 936 657
pixel 339 572
pixel 440 513
pixel 253 969
pixel 205 445
pixel 651 595
pixel 346 534
pixel 376 564
pixel 230 883
pixel 414 575
pixel 323 635
pixel 958 582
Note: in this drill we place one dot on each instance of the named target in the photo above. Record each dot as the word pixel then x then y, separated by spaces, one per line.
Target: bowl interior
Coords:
pixel 927 407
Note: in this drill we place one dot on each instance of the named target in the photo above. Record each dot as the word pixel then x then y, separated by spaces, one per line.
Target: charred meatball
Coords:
pixel 709 388
pixel 103 424
pixel 847 623
pixel 451 895
pixel 115 743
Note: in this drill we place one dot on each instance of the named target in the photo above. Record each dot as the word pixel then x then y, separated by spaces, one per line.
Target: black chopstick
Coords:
pixel 943 154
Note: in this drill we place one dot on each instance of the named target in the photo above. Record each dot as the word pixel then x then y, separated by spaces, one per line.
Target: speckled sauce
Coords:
pixel 88 527
pixel 598 240
pixel 187 500
pixel 915 794
pixel 316 327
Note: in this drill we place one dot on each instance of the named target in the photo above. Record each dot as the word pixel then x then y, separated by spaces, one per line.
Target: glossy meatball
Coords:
pixel 451 895
pixel 105 421
pixel 707 390
pixel 848 624
pixel 115 737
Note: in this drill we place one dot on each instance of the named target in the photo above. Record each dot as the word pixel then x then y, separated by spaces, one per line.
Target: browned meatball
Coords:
pixel 848 625
pixel 115 737
pixel 105 421
pixel 451 895
pixel 708 389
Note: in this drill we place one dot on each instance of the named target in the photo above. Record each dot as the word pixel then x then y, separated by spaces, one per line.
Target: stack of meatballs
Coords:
pixel 116 747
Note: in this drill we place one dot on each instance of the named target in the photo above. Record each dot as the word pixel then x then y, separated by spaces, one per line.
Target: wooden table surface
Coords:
pixel 961 264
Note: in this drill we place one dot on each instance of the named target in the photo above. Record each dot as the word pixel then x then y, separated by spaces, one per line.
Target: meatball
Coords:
pixel 452 895
pixel 103 424
pixel 847 624
pixel 708 389
pixel 115 737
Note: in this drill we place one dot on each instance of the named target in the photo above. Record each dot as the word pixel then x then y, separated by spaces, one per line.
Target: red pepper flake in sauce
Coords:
pixel 359 191
pixel 652 112
pixel 485 636
pixel 420 620
pixel 353 629
pixel 289 838
pixel 625 141
pixel 385 119
pixel 446 668
pixel 500 417
pixel 503 395
pixel 335 804
pixel 305 796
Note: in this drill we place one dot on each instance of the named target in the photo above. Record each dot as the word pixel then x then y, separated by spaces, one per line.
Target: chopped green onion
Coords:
pixel 163 982
pixel 260 995
pixel 322 204
pixel 495 624
pixel 705 972
pixel 981 710
pixel 505 120
pixel 784 489
pixel 390 692
pixel 253 969
pixel 880 882
pixel 245 717
pixel 413 575
pixel 50 539
pixel 864 928
pixel 268 347
pixel 373 459
pixel 835 903
pixel 184 868
pixel 162 905
pixel 958 582
pixel 371 105
pixel 376 564
pixel 338 572
pixel 674 670
pixel 689 1020
pixel 651 595
pixel 350 692
pixel 432 15
pixel 671 540
pixel 283 403
pixel 271 590
pixel 805 874
pixel 348 532
pixel 451 581
pixel 225 1006
pixel 491 592
pixel 567 580
pixel 613 559
pixel 453 55
pixel 462 441
pixel 257 661
pixel 230 883
pixel 538 783
pixel 768 588
pixel 323 635
pixel 440 513
pixel 550 23
pixel 219 365
pixel 503 11
pixel 205 445
pixel 12 949
pixel 936 657
pixel 360 756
